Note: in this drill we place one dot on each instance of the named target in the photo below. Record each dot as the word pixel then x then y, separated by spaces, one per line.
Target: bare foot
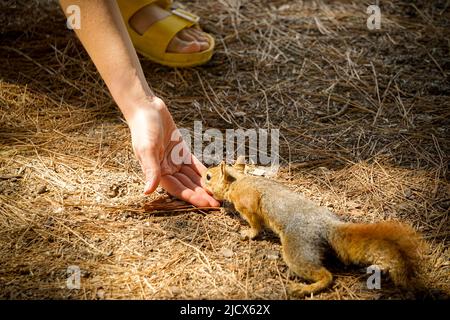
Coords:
pixel 188 40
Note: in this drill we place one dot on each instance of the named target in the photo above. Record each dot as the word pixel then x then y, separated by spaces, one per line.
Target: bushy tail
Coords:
pixel 391 245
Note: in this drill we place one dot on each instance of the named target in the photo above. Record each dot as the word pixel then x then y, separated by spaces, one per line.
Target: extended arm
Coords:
pixel 105 38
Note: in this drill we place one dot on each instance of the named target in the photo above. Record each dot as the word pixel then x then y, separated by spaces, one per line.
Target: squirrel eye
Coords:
pixel 208 177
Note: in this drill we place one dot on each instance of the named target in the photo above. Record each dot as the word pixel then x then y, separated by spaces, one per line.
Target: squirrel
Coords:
pixel 307 230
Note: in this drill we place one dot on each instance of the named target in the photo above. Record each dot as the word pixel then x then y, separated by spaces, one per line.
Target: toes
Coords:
pixel 204 46
pixel 197 34
pixel 199 37
pixel 186 36
pixel 180 46
pixel 188 41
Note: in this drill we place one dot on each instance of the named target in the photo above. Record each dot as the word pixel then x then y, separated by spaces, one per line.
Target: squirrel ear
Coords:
pixel 225 173
pixel 239 165
pixel 223 169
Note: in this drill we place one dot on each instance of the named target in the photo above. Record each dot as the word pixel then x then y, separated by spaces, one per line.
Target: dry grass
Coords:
pixel 364 121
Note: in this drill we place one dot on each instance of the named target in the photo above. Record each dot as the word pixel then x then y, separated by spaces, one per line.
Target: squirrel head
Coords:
pixel 218 179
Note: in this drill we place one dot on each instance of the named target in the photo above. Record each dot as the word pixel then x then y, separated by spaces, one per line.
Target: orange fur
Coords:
pixel 391 245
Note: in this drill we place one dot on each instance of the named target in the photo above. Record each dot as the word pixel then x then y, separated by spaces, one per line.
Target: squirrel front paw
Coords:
pixel 249 234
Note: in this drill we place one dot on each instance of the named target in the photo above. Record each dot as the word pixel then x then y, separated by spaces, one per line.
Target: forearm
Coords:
pixel 105 38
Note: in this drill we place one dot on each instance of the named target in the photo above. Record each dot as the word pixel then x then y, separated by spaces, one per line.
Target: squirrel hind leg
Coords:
pixel 305 263
pixel 321 279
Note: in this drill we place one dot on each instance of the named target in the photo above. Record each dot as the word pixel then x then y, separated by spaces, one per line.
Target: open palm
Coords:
pixel 164 157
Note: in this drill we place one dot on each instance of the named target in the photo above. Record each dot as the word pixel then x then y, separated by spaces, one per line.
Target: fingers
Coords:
pixel 176 188
pixel 196 180
pixel 197 166
pixel 192 175
pixel 212 202
pixel 186 181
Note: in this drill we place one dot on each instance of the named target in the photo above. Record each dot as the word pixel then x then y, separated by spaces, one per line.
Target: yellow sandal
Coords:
pixel 153 43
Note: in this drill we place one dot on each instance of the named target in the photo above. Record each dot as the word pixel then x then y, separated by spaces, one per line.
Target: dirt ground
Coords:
pixel 364 129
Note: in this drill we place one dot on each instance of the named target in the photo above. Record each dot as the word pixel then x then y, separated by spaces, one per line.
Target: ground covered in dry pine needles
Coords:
pixel 364 122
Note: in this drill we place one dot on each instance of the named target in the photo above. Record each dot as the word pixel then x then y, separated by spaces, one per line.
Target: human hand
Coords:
pixel 157 145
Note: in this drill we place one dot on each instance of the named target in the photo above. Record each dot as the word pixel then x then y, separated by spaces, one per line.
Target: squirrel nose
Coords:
pixel 208 191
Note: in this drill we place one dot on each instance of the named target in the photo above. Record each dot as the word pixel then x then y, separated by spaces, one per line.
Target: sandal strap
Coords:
pixel 129 7
pixel 163 31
